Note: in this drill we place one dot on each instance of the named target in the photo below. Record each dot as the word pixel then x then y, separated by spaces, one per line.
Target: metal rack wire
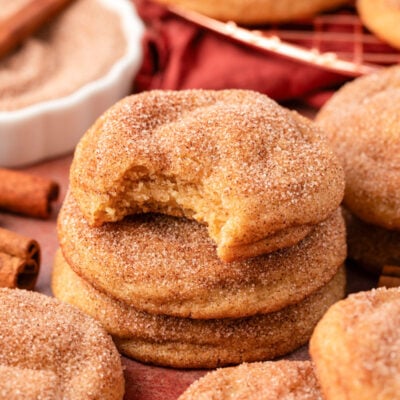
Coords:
pixel 336 41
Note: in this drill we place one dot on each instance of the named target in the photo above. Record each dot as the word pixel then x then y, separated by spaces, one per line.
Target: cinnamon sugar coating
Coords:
pixel 257 11
pixel 283 380
pixel 189 343
pixel 356 347
pixel 362 122
pixel 51 350
pixel 259 176
pixel 371 246
pixel 58 59
pixel 29 384
pixel 167 265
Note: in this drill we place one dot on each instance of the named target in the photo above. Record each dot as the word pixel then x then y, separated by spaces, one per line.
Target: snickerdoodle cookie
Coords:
pixel 362 123
pixel 168 265
pixel 257 11
pixel 190 343
pixel 356 347
pixel 259 176
pixel 371 246
pixel 271 380
pixel 382 18
pixel 51 350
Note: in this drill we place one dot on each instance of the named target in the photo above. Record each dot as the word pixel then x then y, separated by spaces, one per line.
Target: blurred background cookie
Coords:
pixel 362 125
pixel 361 122
pixel 371 246
pixel 382 18
pixel 257 11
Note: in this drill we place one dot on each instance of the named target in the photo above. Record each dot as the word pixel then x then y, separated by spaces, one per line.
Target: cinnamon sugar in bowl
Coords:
pixel 59 81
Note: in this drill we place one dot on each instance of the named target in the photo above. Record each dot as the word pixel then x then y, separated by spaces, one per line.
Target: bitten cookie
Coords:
pixel 356 347
pixel 259 176
pixel 50 350
pixel 188 343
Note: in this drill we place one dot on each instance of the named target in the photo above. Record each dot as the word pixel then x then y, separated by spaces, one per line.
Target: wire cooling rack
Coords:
pixel 334 41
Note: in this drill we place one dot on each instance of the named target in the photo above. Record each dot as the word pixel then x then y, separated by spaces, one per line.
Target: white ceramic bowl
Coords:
pixel 54 127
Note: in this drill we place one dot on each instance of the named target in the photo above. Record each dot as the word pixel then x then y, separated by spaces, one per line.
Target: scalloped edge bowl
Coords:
pixel 52 128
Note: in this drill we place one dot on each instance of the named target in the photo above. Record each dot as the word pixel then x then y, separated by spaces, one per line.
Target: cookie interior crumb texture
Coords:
pixel 260 177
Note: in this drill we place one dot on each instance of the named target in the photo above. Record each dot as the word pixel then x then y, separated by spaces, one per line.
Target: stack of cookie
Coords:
pixel 202 228
pixel 361 122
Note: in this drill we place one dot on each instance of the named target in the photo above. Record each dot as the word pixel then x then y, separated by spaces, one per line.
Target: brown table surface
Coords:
pixel 143 382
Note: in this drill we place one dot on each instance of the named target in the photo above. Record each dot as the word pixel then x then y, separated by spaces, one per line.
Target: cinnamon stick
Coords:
pixel 19 260
pixel 390 276
pixel 26 21
pixel 27 194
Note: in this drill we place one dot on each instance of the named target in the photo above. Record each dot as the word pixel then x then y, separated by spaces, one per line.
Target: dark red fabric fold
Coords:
pixel 181 55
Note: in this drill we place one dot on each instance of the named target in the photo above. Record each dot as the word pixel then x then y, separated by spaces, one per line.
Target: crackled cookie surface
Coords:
pixel 356 347
pixel 189 343
pixel 51 350
pixel 259 176
pixel 283 380
pixel 168 265
pixel 362 123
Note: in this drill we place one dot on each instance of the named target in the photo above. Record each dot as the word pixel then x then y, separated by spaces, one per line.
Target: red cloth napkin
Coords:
pixel 181 55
